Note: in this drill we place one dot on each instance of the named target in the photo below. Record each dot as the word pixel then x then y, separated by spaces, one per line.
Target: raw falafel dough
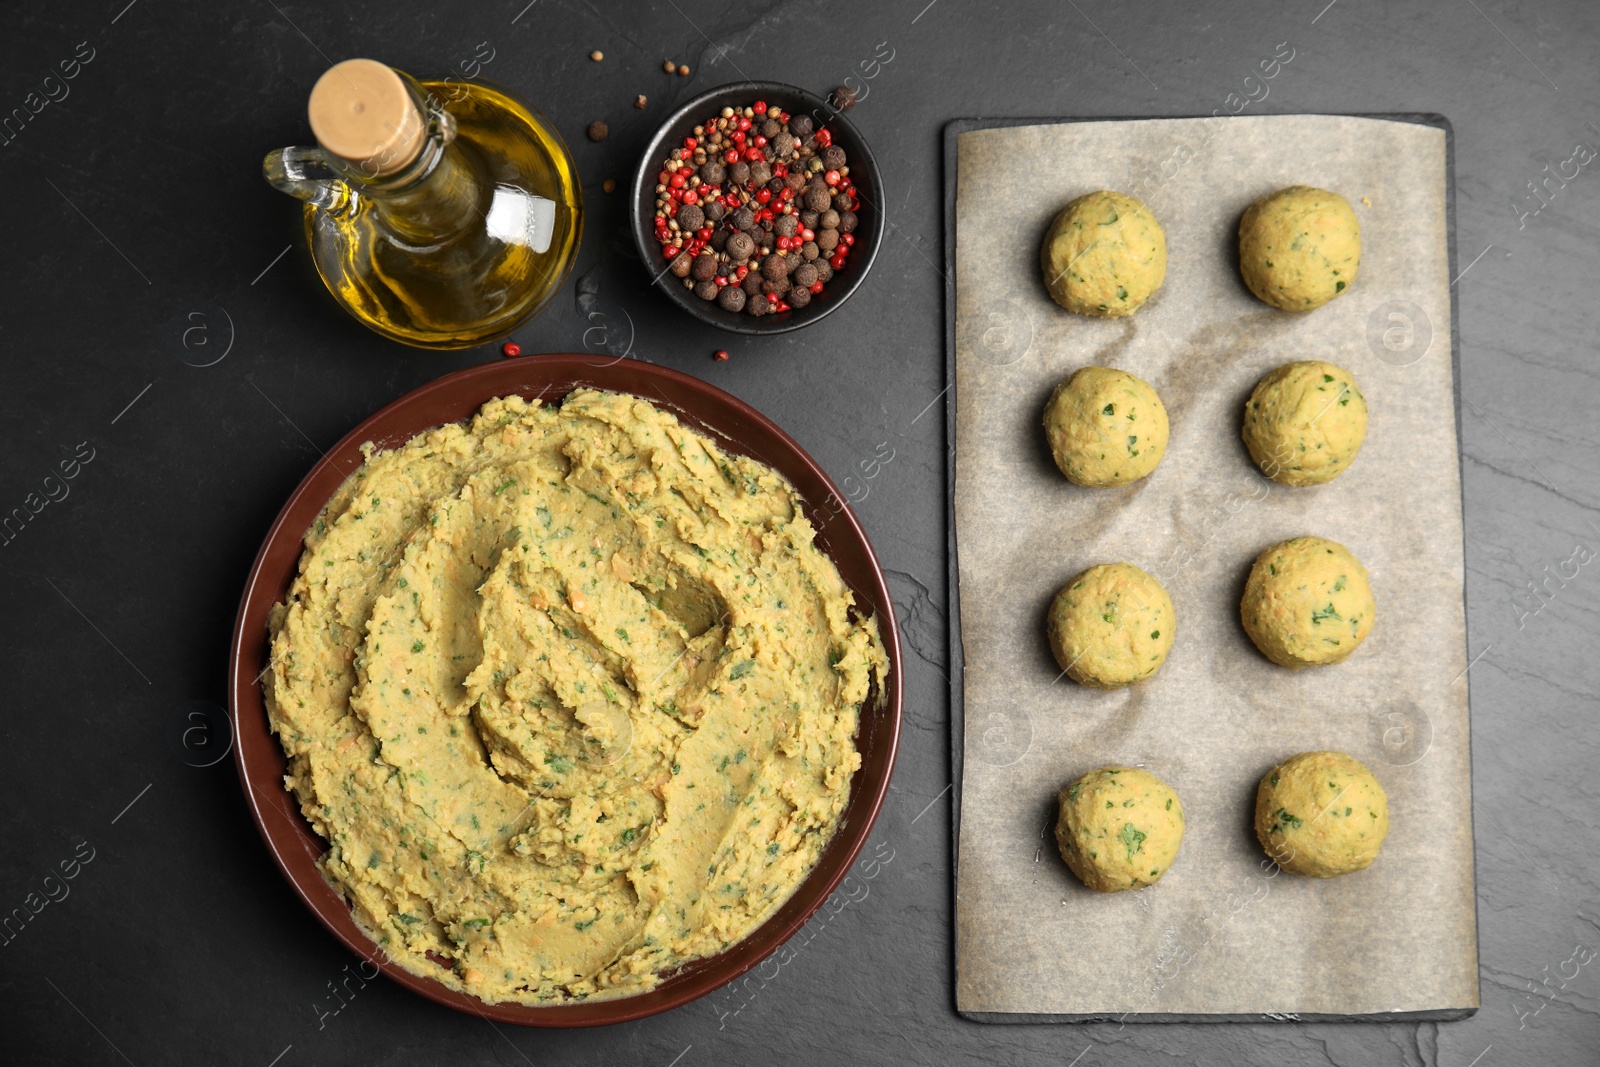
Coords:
pixel 572 695
pixel 1299 247
pixel 1111 626
pixel 1307 602
pixel 1304 423
pixel 1104 255
pixel 1105 427
pixel 1119 828
pixel 1321 814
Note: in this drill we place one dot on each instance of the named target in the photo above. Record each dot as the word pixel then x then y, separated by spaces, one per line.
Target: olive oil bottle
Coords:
pixel 440 214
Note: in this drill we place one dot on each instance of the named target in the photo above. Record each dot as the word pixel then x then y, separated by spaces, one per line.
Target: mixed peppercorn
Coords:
pixel 756 210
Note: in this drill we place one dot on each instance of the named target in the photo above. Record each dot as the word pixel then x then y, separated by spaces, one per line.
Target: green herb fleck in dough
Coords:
pixel 1133 839
pixel 1321 614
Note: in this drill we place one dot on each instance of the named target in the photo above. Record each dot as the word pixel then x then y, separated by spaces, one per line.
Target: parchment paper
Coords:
pixel 1224 933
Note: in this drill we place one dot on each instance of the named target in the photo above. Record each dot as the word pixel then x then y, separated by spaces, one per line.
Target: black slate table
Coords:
pixel 161 347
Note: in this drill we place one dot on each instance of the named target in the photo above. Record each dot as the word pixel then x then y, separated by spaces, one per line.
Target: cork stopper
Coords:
pixel 362 112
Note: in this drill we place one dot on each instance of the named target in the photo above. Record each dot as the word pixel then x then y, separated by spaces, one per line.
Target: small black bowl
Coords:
pixel 864 175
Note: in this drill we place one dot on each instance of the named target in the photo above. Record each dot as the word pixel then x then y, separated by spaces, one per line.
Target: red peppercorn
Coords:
pixel 848 239
pixel 753 155
pixel 807 234
pixel 787 193
pixel 670 251
pixel 781 305
pixel 690 197
pixel 510 349
pixel 761 141
pixel 661 179
pixel 732 157
pixel 744 124
pixel 704 233
pixel 721 281
pixel 816 287
pixel 824 138
pixel 689 144
pixel 837 262
pixel 677 181
pixel 763 194
pixel 720 355
pixel 760 107
pixel 831 177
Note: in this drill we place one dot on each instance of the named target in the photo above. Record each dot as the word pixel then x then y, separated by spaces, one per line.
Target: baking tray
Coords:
pixel 952 132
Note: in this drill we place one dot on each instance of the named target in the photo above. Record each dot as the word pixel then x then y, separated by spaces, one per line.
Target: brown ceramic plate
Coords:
pixel 451 399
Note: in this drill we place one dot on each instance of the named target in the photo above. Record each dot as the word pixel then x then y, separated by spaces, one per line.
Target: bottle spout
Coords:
pixel 306 174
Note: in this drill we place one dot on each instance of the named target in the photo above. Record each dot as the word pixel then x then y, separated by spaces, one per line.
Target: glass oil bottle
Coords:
pixel 440 214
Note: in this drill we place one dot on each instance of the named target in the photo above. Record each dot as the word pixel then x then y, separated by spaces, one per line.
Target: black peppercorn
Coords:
pixel 751 283
pixel 794 180
pixel 732 298
pixel 777 287
pixel 739 172
pixel 707 290
pixel 828 220
pixel 827 240
pixel 843 203
pixel 758 304
pixel 786 225
pixel 843 98
pixel 744 218
pixel 801 125
pixel 794 259
pixel 719 239
pixel 805 275
pixel 712 173
pixel 774 267
pixel 690 217
pixel 771 128
pixel 783 144
pixel 705 267
pixel 808 219
pixel 817 198
pixel 810 251
pixel 824 271
pixel 847 222
pixel 798 297
pixel 716 210
pixel 680 265
pixel 760 173
pixel 741 246
pixel 598 130
pixel 833 157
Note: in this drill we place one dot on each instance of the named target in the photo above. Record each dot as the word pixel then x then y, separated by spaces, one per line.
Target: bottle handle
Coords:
pixel 305 173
